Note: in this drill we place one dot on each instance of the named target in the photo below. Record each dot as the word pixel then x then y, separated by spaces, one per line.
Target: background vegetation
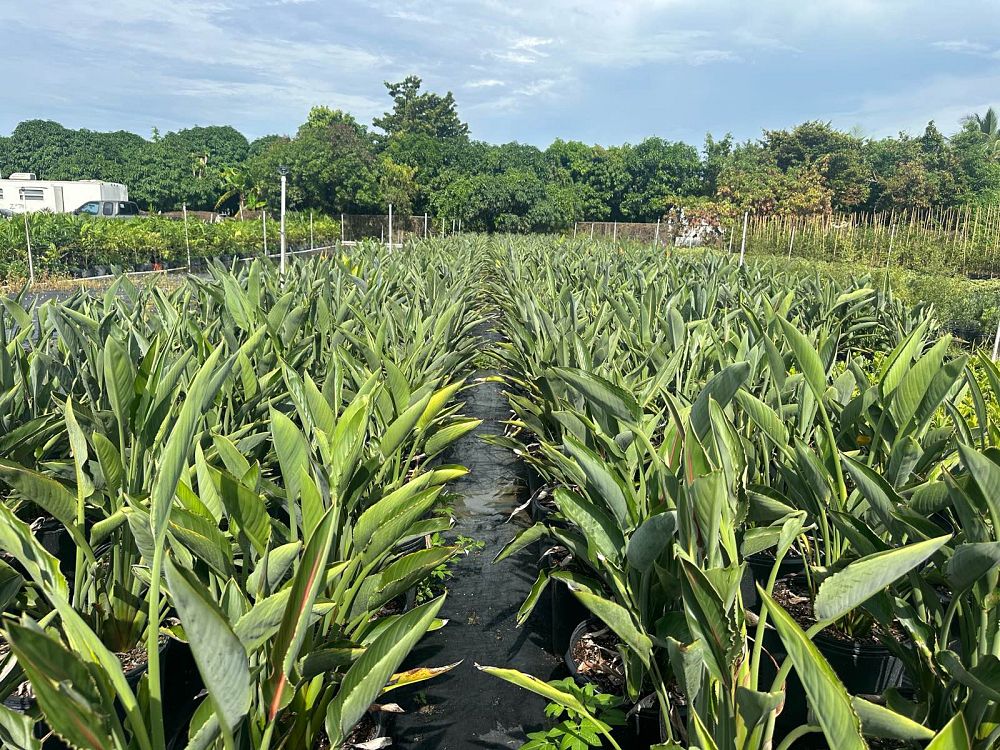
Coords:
pixel 64 244
pixel 420 157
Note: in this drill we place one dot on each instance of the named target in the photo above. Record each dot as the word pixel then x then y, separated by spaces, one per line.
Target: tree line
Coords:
pixel 419 157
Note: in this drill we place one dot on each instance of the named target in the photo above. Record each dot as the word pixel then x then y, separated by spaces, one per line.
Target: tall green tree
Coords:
pixel 425 112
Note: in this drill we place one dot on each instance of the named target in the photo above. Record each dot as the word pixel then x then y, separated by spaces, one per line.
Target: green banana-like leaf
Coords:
pixel 806 358
pixel 827 695
pixel 610 398
pixel 616 617
pixel 862 579
pixel 602 533
pixel 309 577
pixel 879 721
pixel 602 485
pixel 954 736
pixel 175 454
pixel 221 658
pixel 369 675
pixel 653 537
pixel 66 692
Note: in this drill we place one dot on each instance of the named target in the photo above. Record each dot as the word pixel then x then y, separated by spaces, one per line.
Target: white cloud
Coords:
pixel 962 46
pixel 486 83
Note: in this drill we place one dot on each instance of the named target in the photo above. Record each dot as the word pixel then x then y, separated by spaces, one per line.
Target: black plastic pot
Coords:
pixel 758 571
pixel 643 728
pixel 567 613
pixel 181 684
pixel 865 669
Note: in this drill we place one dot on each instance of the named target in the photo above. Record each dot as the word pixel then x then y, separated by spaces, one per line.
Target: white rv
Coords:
pixel 22 193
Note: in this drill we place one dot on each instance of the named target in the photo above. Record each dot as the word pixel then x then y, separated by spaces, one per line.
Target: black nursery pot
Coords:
pixel 758 570
pixel 54 538
pixel 865 669
pixel 567 613
pixel 584 626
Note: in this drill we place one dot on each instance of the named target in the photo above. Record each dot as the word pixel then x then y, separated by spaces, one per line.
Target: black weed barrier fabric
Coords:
pixel 467 708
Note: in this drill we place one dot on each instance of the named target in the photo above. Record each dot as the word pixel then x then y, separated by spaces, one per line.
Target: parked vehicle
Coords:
pixel 22 192
pixel 110 209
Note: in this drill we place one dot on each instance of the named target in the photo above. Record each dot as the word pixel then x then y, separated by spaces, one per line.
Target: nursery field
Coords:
pixel 497 492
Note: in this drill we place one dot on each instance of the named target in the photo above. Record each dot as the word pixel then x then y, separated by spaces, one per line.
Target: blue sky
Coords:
pixel 602 71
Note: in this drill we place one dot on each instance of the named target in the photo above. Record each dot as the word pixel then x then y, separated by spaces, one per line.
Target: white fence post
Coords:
pixel 743 242
pixel 425 225
pixel 341 229
pixel 791 241
pixel 574 230
pixel 284 241
pixel 390 226
pixel 591 230
pixel 614 237
pixel 31 260
pixel 263 218
pixel 312 238
pixel 187 239
pixel 656 238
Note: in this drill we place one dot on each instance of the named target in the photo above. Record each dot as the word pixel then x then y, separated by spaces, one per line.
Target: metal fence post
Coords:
pixel 743 242
pixel 390 226
pixel 656 237
pixel 284 241
pixel 341 229
pixel 263 218
pixel 614 236
pixel 31 260
pixel 312 238
pixel 425 225
pixel 187 239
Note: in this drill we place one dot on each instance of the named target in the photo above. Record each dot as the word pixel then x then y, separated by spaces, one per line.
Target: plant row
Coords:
pixel 775 498
pixel 219 501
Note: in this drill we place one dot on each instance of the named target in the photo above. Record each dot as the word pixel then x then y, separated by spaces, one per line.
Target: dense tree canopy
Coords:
pixel 420 158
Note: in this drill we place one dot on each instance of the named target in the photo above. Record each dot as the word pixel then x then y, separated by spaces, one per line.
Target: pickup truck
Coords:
pixel 110 209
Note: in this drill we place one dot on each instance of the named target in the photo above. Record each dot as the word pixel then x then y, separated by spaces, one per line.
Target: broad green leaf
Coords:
pixel 970 562
pixel 607 396
pixel 368 676
pixel 221 658
pixel 806 357
pixel 63 687
pixel 179 444
pixel 298 613
pixel 879 721
pixel 601 482
pixel 619 620
pixel 827 696
pixel 651 539
pixel 862 579
pixel 955 736
pixel 602 533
